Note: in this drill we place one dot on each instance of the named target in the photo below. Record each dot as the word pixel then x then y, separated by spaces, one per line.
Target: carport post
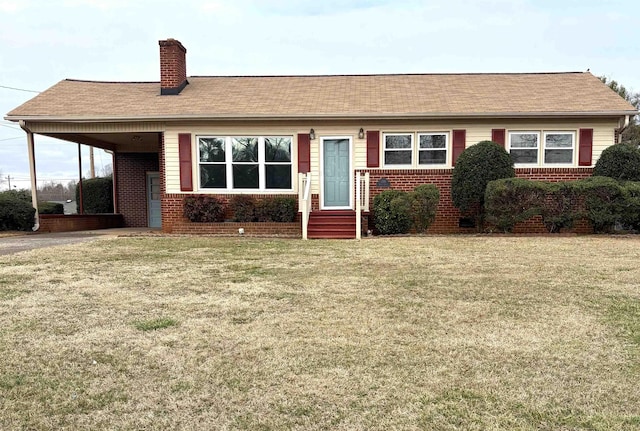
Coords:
pixel 32 172
pixel 80 203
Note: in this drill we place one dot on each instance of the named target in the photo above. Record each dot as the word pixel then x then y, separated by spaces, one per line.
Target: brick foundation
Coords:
pixel 131 186
pixel 173 220
pixel 77 222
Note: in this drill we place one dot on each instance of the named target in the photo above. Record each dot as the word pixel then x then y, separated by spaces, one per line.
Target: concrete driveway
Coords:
pixel 30 241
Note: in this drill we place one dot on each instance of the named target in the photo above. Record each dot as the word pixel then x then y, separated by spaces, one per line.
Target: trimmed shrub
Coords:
pixel 392 212
pixel 424 203
pixel 603 202
pixel 15 212
pixel 203 209
pixel 97 195
pixel 476 166
pixel 620 161
pixel 630 212
pixel 243 208
pixel 560 208
pixel 513 200
pixel 279 209
pixel 50 208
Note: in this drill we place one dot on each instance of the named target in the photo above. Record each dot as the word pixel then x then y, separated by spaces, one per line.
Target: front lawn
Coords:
pixel 451 333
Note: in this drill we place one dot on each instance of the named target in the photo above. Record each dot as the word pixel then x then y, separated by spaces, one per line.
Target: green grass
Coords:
pixel 155 324
pixel 442 333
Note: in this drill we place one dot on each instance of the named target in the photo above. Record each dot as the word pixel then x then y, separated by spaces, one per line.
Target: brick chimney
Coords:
pixel 173 67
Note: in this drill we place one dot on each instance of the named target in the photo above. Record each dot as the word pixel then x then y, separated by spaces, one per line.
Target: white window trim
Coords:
pixel 525 132
pixel 446 149
pixel 228 155
pixel 573 148
pixel 411 150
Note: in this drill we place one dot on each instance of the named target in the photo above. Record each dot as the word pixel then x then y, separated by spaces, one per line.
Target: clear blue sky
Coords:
pixel 43 42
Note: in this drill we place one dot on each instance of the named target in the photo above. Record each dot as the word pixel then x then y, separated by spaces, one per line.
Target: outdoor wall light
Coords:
pixel 312 134
pixel 361 133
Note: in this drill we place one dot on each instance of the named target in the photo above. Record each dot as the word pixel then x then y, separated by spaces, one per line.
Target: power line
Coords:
pixel 18 89
pixel 11 127
pixel 9 139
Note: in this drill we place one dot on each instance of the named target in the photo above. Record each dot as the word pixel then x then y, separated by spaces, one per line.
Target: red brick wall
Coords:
pixel 173 220
pixel 173 67
pixel 131 185
pixel 447 216
pixel 77 222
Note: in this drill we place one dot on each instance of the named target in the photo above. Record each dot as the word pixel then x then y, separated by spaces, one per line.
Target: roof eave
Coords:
pixel 361 116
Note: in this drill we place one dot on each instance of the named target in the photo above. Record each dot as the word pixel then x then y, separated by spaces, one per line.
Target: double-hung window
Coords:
pixel 559 148
pixel 398 149
pixel 524 147
pixel 245 162
pixel 432 148
pixel 213 168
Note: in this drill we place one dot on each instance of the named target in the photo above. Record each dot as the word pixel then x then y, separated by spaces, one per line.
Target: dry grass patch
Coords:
pixel 403 333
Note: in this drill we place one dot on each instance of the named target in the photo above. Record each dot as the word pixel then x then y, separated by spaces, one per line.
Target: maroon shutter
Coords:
pixel 373 148
pixel 186 167
pixel 498 136
pixel 459 144
pixel 304 153
pixel 586 147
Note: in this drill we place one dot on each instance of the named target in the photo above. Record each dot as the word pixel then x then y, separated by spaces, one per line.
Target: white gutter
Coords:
pixel 326 116
pixel 32 172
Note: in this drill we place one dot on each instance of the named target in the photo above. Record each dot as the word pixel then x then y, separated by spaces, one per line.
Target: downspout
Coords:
pixel 32 173
pixel 622 126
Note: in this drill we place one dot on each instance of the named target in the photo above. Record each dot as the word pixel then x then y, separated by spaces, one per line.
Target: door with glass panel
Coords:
pixel 336 171
pixel 153 199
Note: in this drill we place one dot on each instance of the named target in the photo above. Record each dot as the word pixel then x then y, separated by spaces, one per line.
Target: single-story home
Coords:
pixel 332 142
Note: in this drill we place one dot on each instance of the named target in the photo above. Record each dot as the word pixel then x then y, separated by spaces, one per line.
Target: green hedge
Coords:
pixel 560 208
pixel 606 203
pixel 243 208
pixel 620 161
pixel 513 200
pixel 392 212
pixel 97 195
pixel 50 208
pixel 203 209
pixel 424 203
pixel 279 209
pixel 603 200
pixel 396 212
pixel 16 213
pixel 475 168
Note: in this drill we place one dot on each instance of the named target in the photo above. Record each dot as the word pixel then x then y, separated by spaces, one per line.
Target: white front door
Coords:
pixel 153 199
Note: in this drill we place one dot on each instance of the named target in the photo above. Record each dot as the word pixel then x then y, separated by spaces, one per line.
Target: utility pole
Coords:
pixel 9 179
pixel 92 163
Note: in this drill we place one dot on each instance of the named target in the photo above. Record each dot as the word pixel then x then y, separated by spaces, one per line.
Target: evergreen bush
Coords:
pixel 424 203
pixel 560 208
pixel 203 209
pixel 50 208
pixel 97 195
pixel 16 213
pixel 392 212
pixel 513 200
pixel 604 202
pixel 475 167
pixel 279 209
pixel 243 208
pixel 620 161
